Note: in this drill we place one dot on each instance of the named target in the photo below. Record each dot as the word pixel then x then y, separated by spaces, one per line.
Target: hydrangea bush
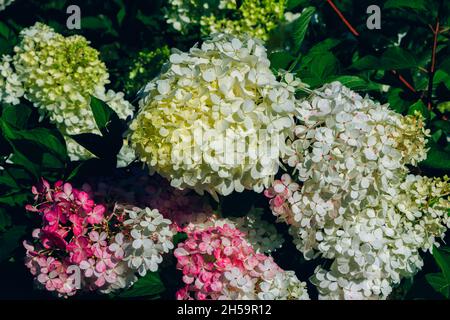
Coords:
pixel 272 152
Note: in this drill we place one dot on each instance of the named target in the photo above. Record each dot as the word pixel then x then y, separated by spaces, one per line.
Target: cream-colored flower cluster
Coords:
pixel 254 17
pixel 284 286
pixel 5 3
pixel 59 75
pixel 382 244
pixel 10 86
pixel 217 119
pixel 356 203
pixel 262 235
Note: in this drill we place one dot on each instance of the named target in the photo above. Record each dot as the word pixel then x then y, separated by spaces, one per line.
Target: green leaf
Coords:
pixel 437 158
pixel 16 116
pixel 280 60
pixel 319 69
pixel 443 261
pixel 5 220
pixel 396 102
pixel 441 281
pixel 103 114
pixel 4 30
pixel 420 107
pixel 15 199
pixel 409 4
pixel 98 22
pixel 444 107
pixel 10 240
pixel 396 58
pixel 366 63
pixel 179 237
pixel 121 15
pixel 300 26
pixel 437 135
pixel 35 149
pixel 442 125
pixel 149 285
pixel 291 4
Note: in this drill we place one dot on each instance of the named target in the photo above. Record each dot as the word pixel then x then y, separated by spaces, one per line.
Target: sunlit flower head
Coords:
pixel 216 119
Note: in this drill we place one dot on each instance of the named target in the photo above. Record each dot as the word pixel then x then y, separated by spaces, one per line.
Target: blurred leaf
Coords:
pixel 5 220
pixel 149 285
pixel 437 135
pixel 410 4
pixel 291 4
pixel 14 199
pixel 10 240
pixel 442 125
pixel 444 107
pixel 98 22
pixel 437 158
pixel 179 237
pixel 4 30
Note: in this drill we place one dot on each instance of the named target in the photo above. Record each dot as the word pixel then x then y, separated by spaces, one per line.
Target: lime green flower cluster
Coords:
pixel 254 17
pixel 144 68
pixel 59 75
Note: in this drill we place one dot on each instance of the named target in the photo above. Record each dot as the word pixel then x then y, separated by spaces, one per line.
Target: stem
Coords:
pixel 339 13
pixel 404 81
pixel 433 64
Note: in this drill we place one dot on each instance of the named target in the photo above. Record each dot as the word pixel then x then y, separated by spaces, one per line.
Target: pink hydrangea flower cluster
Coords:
pixel 81 245
pixel 71 248
pixel 218 263
pixel 280 194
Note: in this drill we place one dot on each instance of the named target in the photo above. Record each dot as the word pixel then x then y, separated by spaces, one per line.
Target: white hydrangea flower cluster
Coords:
pixel 217 119
pixel 284 286
pixel 376 252
pixel 150 237
pixel 10 86
pixel 5 3
pixel 262 235
pixel 59 75
pixel 356 204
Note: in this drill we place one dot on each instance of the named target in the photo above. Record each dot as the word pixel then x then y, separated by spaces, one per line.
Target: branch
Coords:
pixel 339 13
pixel 404 81
pixel 433 64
